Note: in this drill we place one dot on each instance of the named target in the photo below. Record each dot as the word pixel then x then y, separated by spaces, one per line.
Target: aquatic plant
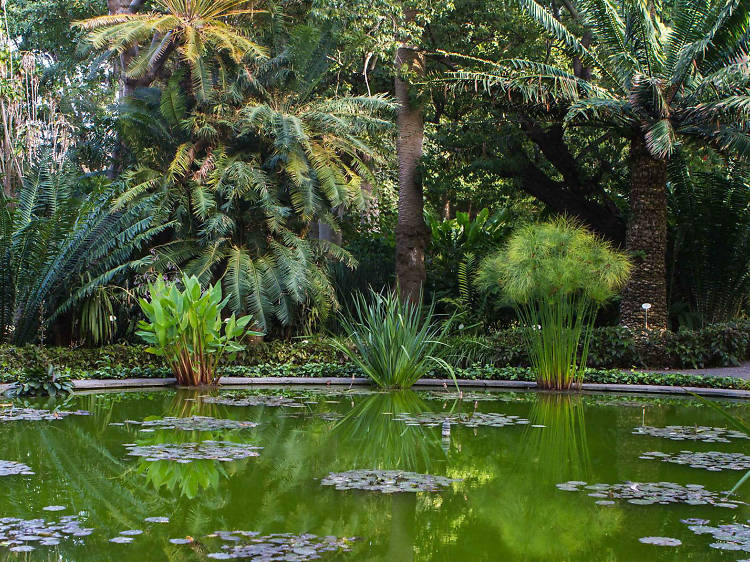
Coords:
pixel 185 327
pixel 396 342
pixel 715 461
pixel 557 274
pixel 11 468
pixel 691 433
pixel 387 481
pixel 650 493
pixel 278 546
pixel 32 414
pixel 191 423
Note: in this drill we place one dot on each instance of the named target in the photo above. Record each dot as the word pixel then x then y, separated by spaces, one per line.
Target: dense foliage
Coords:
pixel 259 147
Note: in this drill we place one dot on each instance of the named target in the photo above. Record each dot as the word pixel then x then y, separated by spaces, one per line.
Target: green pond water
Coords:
pixel 505 454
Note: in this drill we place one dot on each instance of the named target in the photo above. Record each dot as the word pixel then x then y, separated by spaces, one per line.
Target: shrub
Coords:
pixel 557 274
pixel 395 341
pixel 185 327
pixel 40 381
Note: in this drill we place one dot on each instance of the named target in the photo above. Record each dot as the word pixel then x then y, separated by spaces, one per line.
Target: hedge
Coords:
pixel 718 345
pixel 499 355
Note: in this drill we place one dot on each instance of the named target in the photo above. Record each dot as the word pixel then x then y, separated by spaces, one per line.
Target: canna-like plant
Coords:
pixel 396 342
pixel 557 274
pixel 185 327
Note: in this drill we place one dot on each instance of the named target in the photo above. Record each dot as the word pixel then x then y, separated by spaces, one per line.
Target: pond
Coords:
pixel 330 474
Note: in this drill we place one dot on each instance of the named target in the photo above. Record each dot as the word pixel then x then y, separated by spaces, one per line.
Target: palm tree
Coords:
pixel 191 28
pixel 247 177
pixel 659 84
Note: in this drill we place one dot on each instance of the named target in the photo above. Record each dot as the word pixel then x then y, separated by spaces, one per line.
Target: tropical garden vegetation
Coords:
pixel 426 184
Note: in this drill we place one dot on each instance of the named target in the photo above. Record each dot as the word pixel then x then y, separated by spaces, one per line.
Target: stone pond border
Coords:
pixel 113 384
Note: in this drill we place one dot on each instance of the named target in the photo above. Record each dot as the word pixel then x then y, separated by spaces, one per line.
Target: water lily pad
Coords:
pixel 14 533
pixel 730 536
pixel 10 468
pixel 387 481
pixel 280 546
pixel 691 433
pixel 661 541
pixel 252 400
pixel 121 540
pixel 193 423
pixel 474 419
pixel 180 541
pixel 131 533
pixel 54 508
pixel 650 493
pixel 712 460
pixel 156 519
pixel 9 414
pixel 224 451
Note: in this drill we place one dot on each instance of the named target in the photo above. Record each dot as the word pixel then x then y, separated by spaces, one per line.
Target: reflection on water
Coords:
pixel 375 440
pixel 505 508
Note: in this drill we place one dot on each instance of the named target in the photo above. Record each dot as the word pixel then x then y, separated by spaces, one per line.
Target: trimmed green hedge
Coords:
pixel 489 372
pixel 718 345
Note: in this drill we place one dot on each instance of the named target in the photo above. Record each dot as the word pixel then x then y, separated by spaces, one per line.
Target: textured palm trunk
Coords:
pixel 646 240
pixel 411 230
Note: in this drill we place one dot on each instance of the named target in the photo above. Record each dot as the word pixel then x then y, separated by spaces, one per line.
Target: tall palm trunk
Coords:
pixel 411 230
pixel 646 240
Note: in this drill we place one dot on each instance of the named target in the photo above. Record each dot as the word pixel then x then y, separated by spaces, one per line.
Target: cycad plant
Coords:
pixel 395 341
pixel 658 75
pixel 557 274
pixel 58 246
pixel 247 176
pixel 186 328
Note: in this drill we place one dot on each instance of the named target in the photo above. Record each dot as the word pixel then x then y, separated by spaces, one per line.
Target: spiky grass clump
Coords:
pixel 557 274
pixel 396 342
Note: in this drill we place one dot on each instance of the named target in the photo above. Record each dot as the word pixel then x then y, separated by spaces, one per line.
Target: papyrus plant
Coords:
pixel 557 274
pixel 186 328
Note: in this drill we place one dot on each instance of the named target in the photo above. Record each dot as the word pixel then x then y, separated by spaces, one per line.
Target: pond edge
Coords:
pixel 102 384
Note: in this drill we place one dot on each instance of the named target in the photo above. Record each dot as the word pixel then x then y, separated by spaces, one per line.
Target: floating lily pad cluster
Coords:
pixel 253 400
pixel 649 493
pixel 387 481
pixel 31 414
pixel 25 535
pixel 691 433
pixel 465 396
pixel 194 423
pixel 279 546
pixel 224 451
pixel 714 461
pixel 731 536
pixel 475 419
pixel 10 468
pixel 325 416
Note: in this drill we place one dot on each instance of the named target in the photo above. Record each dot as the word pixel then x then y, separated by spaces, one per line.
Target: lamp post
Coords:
pixel 645 306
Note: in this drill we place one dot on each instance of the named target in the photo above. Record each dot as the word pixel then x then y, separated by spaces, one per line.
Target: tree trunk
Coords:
pixel 411 230
pixel 646 240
